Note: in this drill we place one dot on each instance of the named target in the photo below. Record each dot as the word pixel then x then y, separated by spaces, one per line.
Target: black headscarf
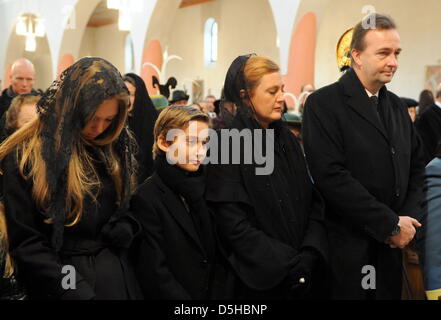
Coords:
pixel 141 122
pixel 234 83
pixel 63 111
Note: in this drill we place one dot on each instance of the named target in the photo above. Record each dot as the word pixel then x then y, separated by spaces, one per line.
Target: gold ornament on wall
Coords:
pixel 344 50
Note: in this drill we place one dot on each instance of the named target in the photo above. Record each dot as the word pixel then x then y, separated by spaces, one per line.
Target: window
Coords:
pixel 210 41
pixel 129 55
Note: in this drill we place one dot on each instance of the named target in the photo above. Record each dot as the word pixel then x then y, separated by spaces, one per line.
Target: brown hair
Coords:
pixel 382 22
pixel 255 68
pixel 5 258
pixel 11 123
pixel 81 175
pixel 175 117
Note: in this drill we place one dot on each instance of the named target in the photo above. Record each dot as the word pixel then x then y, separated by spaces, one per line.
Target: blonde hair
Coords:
pixel 255 68
pixel 82 179
pixel 11 123
pixel 4 246
pixel 174 117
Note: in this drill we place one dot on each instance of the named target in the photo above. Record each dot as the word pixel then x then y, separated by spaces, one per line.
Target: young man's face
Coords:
pixel 379 60
pixel 189 148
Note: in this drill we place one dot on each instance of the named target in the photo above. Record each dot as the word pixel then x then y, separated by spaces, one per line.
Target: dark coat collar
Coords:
pixel 11 94
pixel 177 209
pixel 358 99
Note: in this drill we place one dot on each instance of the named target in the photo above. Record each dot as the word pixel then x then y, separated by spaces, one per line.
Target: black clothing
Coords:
pixel 176 258
pixel 63 111
pixel 270 223
pixel 267 221
pixel 6 98
pixel 141 121
pixel 429 127
pixel 102 268
pixel 369 175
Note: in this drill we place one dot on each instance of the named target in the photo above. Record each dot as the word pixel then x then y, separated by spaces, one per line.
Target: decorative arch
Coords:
pixel 65 62
pixel 301 62
pixel 41 58
pixel 151 65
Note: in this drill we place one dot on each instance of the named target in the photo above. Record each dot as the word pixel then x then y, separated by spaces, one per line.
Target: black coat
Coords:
pixel 102 270
pixel 141 121
pixel 171 261
pixel 368 176
pixel 429 127
pixel 5 100
pixel 265 221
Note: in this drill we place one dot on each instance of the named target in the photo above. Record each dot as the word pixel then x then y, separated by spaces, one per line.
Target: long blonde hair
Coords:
pixel 82 179
pixel 5 258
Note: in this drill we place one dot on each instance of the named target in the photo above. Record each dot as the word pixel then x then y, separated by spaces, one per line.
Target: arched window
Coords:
pixel 210 41
pixel 129 55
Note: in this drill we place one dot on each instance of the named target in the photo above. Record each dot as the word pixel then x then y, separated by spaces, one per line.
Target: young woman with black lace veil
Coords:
pixel 270 223
pixel 67 181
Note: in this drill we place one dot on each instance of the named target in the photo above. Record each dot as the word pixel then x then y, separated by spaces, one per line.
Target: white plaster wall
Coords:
pixel 51 11
pixel 106 42
pixel 245 26
pixel 418 24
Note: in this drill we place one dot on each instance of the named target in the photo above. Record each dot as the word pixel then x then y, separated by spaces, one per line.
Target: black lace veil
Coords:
pixel 63 111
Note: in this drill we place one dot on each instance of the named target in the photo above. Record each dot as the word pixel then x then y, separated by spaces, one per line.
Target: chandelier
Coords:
pixel 31 27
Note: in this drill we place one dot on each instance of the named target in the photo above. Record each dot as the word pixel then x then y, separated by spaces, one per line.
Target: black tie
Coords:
pixel 374 100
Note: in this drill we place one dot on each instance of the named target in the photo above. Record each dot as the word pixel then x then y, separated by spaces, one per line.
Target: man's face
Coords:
pixel 22 79
pixel 379 60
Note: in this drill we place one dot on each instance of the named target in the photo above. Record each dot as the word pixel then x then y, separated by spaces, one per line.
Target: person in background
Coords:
pixel 426 99
pixel 429 243
pixel 302 100
pixel 22 82
pixel 270 223
pixel 179 98
pixel 428 126
pixel 307 88
pixel 141 119
pixel 412 106
pixel 23 109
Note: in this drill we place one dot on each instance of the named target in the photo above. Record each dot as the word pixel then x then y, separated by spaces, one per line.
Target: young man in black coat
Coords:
pixel 176 255
pixel 365 158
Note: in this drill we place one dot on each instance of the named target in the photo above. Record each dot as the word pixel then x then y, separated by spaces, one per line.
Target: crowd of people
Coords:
pixel 97 180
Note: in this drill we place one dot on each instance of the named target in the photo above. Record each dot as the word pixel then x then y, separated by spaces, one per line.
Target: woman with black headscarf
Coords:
pixel 271 225
pixel 68 177
pixel 142 118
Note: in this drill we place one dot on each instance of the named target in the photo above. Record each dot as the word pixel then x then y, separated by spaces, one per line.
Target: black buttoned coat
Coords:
pixel 369 175
pixel 170 261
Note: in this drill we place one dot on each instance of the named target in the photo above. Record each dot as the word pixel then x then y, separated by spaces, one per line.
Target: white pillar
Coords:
pixel 285 13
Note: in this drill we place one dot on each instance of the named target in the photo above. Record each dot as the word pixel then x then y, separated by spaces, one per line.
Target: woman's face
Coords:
pixel 28 112
pixel 132 90
pixel 102 119
pixel 188 148
pixel 268 98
